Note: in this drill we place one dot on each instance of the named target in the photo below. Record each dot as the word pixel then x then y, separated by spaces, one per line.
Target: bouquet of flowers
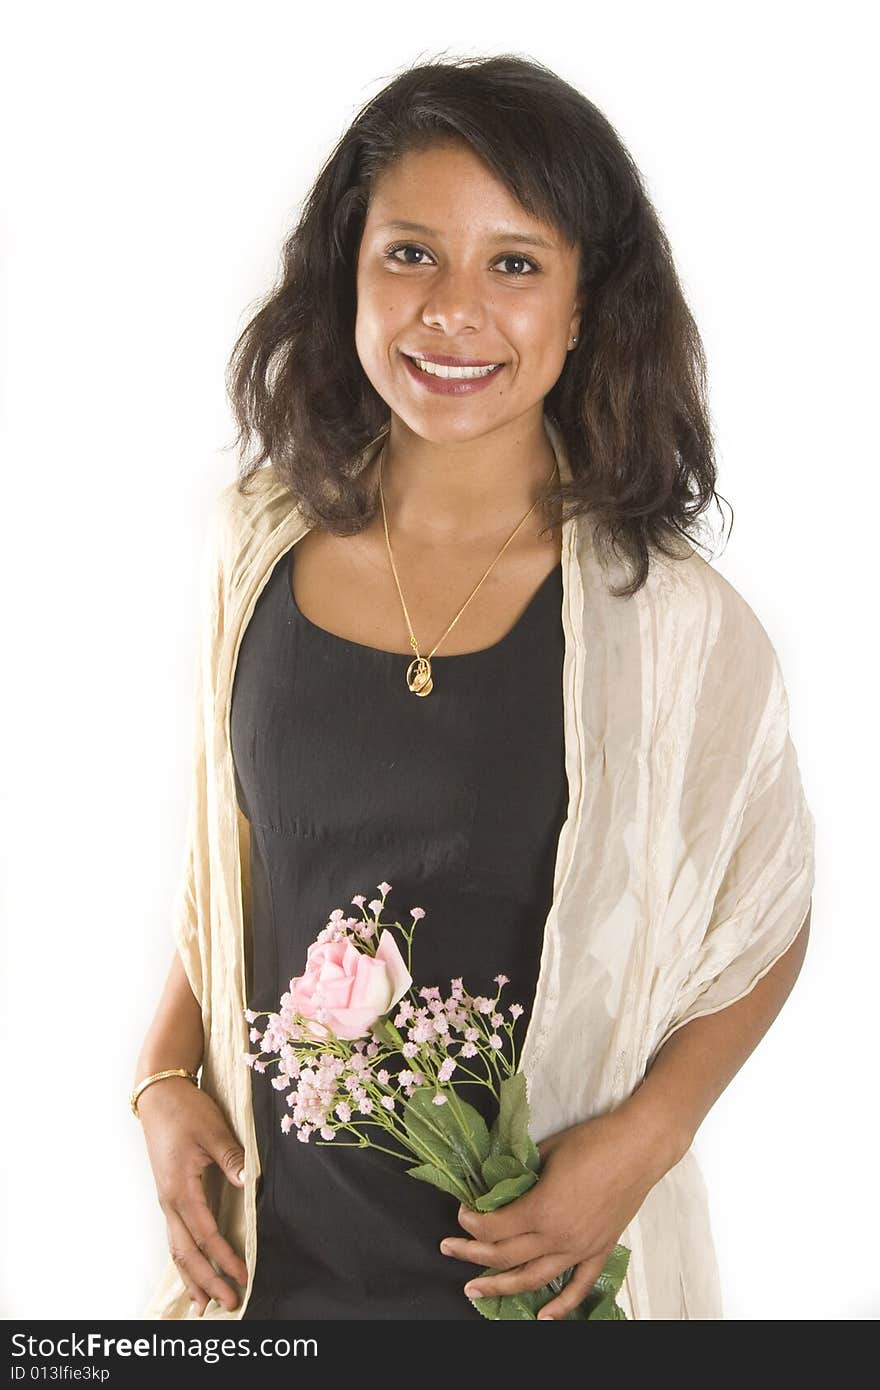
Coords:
pixel 330 1042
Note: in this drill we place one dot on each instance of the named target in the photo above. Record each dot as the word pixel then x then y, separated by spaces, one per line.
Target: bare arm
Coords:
pixel 175 1037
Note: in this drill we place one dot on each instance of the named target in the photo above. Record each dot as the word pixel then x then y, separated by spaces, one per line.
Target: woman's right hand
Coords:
pixel 186 1132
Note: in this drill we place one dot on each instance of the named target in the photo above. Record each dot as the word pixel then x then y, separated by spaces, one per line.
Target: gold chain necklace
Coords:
pixel 419 678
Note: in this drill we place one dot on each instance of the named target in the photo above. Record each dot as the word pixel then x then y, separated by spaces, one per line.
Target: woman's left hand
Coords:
pixel 594 1177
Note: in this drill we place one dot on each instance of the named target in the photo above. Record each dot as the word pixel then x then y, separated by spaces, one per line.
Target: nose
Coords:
pixel 455 302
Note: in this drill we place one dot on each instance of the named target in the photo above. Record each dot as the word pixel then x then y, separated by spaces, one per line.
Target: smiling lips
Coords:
pixel 450 375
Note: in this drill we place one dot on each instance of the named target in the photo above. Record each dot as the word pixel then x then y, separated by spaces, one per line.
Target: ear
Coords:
pixel 574 324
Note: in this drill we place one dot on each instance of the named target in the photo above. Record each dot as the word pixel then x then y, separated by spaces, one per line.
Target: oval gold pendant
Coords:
pixel 418 676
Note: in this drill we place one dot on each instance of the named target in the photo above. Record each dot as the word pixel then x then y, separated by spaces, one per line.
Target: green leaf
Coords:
pixel 499 1166
pixel 455 1138
pixel 510 1307
pixel 598 1306
pixel 510 1132
pixel 426 1172
pixel 506 1191
pixel 607 1311
pixel 613 1271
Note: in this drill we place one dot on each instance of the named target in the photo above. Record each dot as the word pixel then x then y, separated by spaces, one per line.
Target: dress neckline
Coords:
pixel 323 633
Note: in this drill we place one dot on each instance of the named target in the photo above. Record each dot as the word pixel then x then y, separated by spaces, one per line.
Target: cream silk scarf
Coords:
pixel 684 869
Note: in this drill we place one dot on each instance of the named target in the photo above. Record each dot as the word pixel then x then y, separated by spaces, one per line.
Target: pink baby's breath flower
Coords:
pixel 496 1041
pixel 496 1020
pixel 388 1102
pixel 422 1032
pixel 250 1058
pixel 472 1034
pixel 484 1005
pixel 303 1133
pixel 365 1105
pixel 501 980
pixel 376 906
pixel 259 1066
pixel 469 1049
pixel 384 888
pixel 250 1015
pixel 417 912
pixel 359 899
pixel 343 1110
pixel 279 1082
pixel 382 1077
pixel 516 1010
pixel 438 1099
pixel 447 1067
pixel 410 1049
pixel 327 1132
pixel 286 1123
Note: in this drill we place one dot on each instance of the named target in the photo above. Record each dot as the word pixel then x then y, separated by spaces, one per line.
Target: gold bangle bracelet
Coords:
pixel 158 1076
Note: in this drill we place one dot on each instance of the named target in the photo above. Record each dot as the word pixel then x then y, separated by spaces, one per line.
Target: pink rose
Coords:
pixel 347 989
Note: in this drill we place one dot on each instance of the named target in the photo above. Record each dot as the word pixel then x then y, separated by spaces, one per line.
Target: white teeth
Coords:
pixel 435 369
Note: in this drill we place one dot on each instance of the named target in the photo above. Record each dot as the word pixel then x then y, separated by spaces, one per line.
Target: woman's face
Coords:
pixel 473 276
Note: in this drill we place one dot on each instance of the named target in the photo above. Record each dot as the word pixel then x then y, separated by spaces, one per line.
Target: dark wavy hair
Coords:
pixel 630 402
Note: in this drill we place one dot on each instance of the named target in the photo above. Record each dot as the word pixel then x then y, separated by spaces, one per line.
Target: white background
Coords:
pixel 155 157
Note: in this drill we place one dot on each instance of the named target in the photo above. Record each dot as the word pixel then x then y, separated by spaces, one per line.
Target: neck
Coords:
pixel 464 492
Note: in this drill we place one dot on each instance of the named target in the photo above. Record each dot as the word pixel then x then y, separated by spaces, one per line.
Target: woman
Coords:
pixel 482 395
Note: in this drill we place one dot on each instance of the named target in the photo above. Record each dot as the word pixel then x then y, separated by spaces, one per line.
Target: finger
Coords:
pixel 520 1217
pixel 500 1254
pixel 195 1268
pixel 176 1246
pixel 526 1278
pixel 193 1209
pixel 576 1290
pixel 224 1149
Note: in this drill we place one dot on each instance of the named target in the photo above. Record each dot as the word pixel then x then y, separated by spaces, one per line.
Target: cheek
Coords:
pixel 380 322
pixel 537 331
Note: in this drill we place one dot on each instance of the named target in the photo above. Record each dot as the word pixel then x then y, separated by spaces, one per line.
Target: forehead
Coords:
pixel 445 187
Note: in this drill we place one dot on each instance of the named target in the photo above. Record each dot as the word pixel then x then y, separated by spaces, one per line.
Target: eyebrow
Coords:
pixel 524 238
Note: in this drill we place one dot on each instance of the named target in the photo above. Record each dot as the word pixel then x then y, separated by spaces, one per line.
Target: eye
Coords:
pixel 392 254
pixel 526 260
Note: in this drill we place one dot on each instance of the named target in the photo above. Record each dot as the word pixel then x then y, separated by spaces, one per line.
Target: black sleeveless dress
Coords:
pixel 455 799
